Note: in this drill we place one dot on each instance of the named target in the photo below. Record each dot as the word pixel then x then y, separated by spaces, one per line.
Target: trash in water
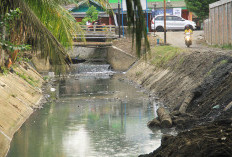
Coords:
pixel 52 89
pixel 51 74
pixel 216 107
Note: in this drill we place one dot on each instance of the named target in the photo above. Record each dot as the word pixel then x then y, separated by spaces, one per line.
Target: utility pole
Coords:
pixel 165 40
pixel 119 20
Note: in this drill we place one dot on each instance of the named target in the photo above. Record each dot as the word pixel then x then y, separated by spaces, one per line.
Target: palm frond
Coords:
pixel 136 20
pixel 46 25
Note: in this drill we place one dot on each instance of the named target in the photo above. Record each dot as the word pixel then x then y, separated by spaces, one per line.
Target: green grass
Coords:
pixel 4 70
pixel 138 73
pixel 226 47
pixel 229 47
pixel 218 65
pixel 29 79
pixel 162 54
pixel 223 62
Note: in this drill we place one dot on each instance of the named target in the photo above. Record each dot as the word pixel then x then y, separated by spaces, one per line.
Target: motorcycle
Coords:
pixel 188 39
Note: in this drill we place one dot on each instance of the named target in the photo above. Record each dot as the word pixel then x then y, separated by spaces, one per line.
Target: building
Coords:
pixel 151 8
pixel 79 11
pixel 155 7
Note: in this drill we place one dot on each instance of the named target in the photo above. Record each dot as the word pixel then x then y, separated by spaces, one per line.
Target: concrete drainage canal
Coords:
pixel 95 115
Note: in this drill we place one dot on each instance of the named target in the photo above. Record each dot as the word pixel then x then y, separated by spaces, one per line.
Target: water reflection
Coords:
pixel 93 117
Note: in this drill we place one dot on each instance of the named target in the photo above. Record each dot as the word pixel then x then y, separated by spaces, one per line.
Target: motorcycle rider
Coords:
pixel 188 36
pixel 188 30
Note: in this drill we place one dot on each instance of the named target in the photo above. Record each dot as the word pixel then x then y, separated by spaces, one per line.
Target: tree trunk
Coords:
pixel 164 117
pixel 3 37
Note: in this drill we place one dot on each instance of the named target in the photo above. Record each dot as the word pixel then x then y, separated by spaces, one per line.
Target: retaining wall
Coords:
pixel 18 99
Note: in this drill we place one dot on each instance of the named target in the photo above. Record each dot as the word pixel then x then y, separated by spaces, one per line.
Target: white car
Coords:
pixel 172 23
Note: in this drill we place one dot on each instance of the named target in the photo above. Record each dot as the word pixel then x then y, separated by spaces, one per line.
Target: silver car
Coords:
pixel 172 23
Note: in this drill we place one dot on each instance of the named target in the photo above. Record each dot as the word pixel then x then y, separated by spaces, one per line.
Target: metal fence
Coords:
pixel 218 28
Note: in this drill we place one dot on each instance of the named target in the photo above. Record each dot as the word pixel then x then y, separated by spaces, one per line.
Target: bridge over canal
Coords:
pixel 95 36
pixel 98 47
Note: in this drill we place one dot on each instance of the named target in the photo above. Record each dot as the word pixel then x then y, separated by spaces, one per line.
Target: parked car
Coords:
pixel 173 22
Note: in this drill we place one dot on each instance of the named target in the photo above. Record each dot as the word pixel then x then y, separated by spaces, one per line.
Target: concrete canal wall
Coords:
pixel 117 58
pixel 20 94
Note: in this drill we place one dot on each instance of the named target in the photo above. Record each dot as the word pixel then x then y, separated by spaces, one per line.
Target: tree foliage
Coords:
pixel 6 21
pixel 91 15
pixel 48 27
pixel 199 7
pixel 45 25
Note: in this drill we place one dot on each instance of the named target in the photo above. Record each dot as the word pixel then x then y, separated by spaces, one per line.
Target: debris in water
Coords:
pixel 51 74
pixel 216 107
pixel 52 89
pixel 228 106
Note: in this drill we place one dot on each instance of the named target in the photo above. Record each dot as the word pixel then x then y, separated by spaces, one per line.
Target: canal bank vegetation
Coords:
pixel 161 55
pixel 34 26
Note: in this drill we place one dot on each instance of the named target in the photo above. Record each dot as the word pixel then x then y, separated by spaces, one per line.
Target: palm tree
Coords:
pixel 48 27
pixel 45 25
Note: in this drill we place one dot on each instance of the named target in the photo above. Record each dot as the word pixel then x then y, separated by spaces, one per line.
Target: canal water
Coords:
pixel 95 115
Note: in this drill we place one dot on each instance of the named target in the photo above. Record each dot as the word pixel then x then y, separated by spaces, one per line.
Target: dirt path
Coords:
pixel 177 38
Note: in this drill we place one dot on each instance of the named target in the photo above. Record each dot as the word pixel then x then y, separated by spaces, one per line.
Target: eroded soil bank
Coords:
pixel 20 95
pixel 197 87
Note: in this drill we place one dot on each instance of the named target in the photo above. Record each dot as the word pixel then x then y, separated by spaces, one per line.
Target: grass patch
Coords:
pixel 229 47
pixel 4 70
pixel 226 47
pixel 218 65
pixel 45 78
pixel 138 73
pixel 162 54
pixel 29 79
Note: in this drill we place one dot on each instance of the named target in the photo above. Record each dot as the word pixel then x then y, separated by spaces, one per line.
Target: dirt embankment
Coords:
pixel 20 95
pixel 199 84
pixel 212 140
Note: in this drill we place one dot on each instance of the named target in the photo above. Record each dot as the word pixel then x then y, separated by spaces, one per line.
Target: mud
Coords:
pixel 198 80
pixel 196 86
pixel 212 140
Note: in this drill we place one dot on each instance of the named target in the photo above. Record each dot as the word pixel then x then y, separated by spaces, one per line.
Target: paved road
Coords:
pixel 177 38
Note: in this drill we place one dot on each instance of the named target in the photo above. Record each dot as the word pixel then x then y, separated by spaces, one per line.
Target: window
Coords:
pixel 176 18
pixel 169 18
pixel 159 18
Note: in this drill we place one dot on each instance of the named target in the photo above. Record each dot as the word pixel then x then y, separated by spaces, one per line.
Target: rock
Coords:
pixel 154 123
pixel 2 84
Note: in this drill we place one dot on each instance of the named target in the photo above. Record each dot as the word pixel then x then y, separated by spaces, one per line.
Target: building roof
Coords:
pixel 152 4
pixel 72 7
pixel 159 4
